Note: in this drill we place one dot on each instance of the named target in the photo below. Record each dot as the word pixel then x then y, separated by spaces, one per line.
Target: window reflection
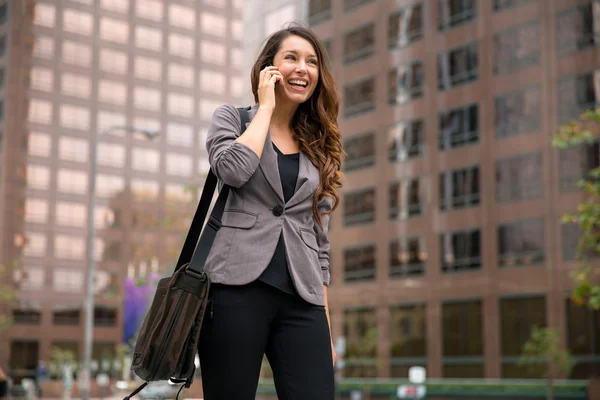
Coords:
pixel 405 26
pixel 460 250
pixel 45 15
pixel 213 24
pixel 179 165
pixel 576 163
pixel 147 99
pixel 149 9
pixel 517 48
pixel 77 54
pixel 452 13
pixel 43 47
pixel 78 22
pixel 359 264
pixel 179 134
pixel 408 257
pixel 181 46
pixel 459 127
pixel 67 280
pixel 148 68
pixel 212 81
pixel 66 314
pixel 521 243
pixel 318 11
pixel 73 149
pixel 145 160
pixel 111 155
pixel 40 111
pixel 71 214
pixel 109 185
pixel 578 93
pixel 36 210
pixel 577 28
pixel 360 330
pixel 359 207
pixel 406 140
pixel 405 199
pixel 39 144
pixel 114 30
pixel 182 17
pixel 462 327
pixel 181 75
pixel 519 178
pixel 42 79
pixel 405 83
pixel 518 112
pixel 69 247
pixel 76 85
pixel 75 117
pixel 38 177
pixel 144 190
pixel 148 38
pixel 583 340
pixel 458 66
pixel 35 245
pixel 459 188
pixel 408 331
pixel 72 181
pixel 359 43
pixel 360 150
pixel 359 97
pixel 180 104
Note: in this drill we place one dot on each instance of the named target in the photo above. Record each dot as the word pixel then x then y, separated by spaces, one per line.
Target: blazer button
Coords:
pixel 277 210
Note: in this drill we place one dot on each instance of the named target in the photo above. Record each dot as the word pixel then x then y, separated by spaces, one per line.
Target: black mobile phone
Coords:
pixel 276 82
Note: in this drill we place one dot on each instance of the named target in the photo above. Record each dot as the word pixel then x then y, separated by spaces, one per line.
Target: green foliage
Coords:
pixel 8 295
pixel 544 344
pixel 587 277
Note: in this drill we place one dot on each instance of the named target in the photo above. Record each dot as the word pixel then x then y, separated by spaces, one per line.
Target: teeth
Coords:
pixel 299 83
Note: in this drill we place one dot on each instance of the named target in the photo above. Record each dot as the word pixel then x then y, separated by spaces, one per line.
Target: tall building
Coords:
pixel 74 69
pixel 447 247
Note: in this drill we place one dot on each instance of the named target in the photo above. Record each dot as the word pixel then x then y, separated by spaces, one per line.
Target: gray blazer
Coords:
pixel 255 213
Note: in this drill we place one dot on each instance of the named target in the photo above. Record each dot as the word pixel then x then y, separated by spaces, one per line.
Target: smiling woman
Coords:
pixel 269 263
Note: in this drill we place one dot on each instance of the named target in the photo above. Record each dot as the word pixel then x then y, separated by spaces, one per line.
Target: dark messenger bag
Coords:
pixel 167 341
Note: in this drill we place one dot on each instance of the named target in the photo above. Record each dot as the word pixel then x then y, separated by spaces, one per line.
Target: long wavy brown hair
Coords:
pixel 314 125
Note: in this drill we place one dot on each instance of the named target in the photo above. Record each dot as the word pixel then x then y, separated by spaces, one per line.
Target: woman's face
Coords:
pixel 298 63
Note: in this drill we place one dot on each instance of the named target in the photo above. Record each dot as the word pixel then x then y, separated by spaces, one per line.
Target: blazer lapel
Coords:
pixel 308 180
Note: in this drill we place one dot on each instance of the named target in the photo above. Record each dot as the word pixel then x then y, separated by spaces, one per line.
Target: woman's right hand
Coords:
pixel 266 86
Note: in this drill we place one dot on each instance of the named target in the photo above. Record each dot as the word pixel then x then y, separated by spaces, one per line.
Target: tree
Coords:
pixel 583 132
pixel 544 344
pixel 8 295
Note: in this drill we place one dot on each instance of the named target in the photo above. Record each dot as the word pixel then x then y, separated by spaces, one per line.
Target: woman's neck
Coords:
pixel 282 115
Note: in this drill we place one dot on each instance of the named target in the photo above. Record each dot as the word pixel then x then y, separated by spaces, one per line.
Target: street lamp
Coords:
pixel 85 381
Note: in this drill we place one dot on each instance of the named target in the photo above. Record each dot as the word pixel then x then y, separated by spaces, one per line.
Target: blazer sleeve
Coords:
pixel 232 162
pixel 325 204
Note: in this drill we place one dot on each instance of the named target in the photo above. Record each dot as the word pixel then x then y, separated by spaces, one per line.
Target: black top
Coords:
pixel 277 273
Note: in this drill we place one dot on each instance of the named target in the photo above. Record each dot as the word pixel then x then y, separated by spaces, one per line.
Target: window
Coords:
pixel 459 188
pixel 406 140
pixel 148 68
pixel 148 38
pixel 149 9
pixel 78 22
pixel 181 46
pixel 405 199
pixel 457 66
pixel 114 30
pixel 111 155
pixel 3 13
pixel 459 127
pixel 107 217
pixel 72 181
pixel 517 48
pixel 181 75
pixel 182 17
pixel 275 20
pixel 517 112
pixel 35 245
pixel 69 315
pixel 583 340
pixel 237 29
pixel 405 26
pixel 318 11
pixel 147 99
pixel 359 264
pixel 359 97
pixel 76 85
pixel 109 185
pixel 213 24
pixel 111 92
pixel 519 178
pixel 359 43
pixel 576 29
pixel 181 105
pixel 145 160
pixel 75 117
pixel 36 210
pixel 72 149
pixel 71 214
pixel 40 111
pixel 69 247
pixel 408 323
pixel 105 316
pixel 452 13
pixel 45 15
pixel 121 6
pixel 518 316
pixel 68 280
pixel 42 79
pixel 462 343
pixel 501 5
pixel 578 93
pixel 27 316
pixel 408 257
pixel 31 278
pixel 359 207
pixel 144 190
pixel 180 134
pixel 146 123
pixel 212 81
pixel 38 177
pixel 360 150
pixel 237 86
pixel 177 193
pixel 178 164
pixel 405 83
pixel 236 57
pixel 360 330
pixel 107 119
pixel 77 54
pixel 576 163
pixel 113 61
pixel 2 77
pixel 460 250
pixel 521 243
pixel 215 53
pixel 39 144
pixel 207 108
pixel 2 46
pixel 43 47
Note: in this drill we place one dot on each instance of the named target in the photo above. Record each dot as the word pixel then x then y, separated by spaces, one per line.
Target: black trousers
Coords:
pixel 243 323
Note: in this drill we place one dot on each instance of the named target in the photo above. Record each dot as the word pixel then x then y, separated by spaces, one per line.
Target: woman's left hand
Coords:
pixel 333 355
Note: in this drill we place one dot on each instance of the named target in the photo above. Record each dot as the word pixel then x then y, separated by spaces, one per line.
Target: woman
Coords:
pixel 269 263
